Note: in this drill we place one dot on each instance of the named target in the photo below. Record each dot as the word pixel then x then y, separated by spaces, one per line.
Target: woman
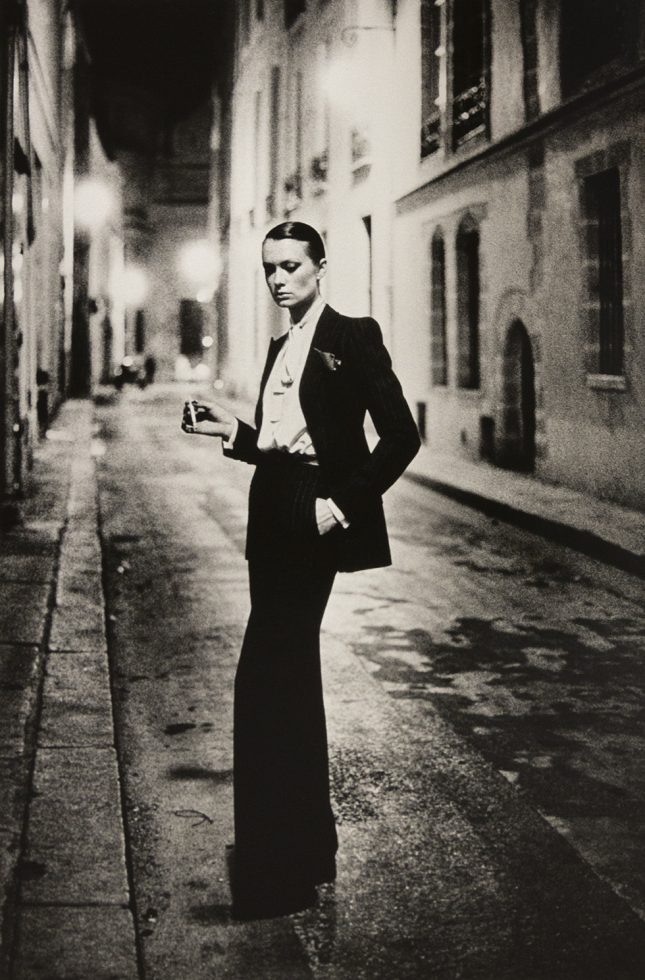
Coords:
pixel 315 508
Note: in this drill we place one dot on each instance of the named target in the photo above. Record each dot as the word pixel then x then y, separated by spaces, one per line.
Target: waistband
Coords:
pixel 276 458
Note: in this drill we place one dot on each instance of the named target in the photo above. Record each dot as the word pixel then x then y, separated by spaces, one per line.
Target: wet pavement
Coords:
pixel 484 701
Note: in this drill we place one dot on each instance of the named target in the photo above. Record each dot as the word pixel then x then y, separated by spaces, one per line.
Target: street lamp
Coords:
pixel 94 203
pixel 198 263
pixel 135 285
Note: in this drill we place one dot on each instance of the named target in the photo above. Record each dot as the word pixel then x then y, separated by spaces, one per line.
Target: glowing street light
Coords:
pixel 135 285
pixel 94 203
pixel 335 80
pixel 199 264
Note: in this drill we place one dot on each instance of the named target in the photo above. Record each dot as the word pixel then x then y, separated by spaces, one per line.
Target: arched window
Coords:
pixel 468 375
pixel 438 347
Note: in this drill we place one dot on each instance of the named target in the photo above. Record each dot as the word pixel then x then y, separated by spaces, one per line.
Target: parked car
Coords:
pixel 130 371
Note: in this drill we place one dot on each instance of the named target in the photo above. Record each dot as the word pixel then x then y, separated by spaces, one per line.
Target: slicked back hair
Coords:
pixel 300 232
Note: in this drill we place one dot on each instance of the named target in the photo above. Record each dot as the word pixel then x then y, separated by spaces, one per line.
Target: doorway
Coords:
pixel 517 449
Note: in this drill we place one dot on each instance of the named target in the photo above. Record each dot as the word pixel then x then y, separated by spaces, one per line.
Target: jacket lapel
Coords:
pixel 323 340
pixel 275 347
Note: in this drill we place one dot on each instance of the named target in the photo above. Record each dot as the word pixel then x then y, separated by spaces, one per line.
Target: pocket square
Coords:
pixel 331 362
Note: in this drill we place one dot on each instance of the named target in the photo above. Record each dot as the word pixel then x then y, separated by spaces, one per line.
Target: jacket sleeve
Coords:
pixel 380 391
pixel 245 446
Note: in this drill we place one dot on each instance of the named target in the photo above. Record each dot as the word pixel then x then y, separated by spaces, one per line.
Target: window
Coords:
pixel 470 70
pixel 468 304
pixel 432 51
pixel 323 118
pixel 293 182
pixel 257 130
pixel 191 327
pixel 292 10
pixel 274 140
pixel 594 38
pixel 455 69
pixel 438 348
pixel 245 21
pixel 139 332
pixel 604 261
pixel 528 22
pixel 298 106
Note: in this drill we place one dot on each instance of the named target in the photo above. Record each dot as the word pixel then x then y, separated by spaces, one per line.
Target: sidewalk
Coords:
pixel 598 528
pixel 65 903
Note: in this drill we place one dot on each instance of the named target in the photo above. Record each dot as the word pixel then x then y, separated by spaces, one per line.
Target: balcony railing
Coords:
pixel 470 113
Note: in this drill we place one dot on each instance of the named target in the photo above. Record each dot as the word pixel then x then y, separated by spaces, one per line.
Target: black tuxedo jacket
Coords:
pixel 347 373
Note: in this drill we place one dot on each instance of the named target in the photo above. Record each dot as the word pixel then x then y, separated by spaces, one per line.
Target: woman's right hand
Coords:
pixel 219 420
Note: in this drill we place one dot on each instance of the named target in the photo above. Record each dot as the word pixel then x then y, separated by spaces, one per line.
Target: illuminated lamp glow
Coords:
pixel 340 83
pixel 135 285
pixel 207 342
pixel 94 203
pixel 197 262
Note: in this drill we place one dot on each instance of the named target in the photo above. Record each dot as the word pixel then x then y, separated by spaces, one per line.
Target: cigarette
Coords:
pixel 193 417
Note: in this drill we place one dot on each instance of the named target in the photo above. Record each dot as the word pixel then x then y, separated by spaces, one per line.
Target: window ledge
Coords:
pixel 607 382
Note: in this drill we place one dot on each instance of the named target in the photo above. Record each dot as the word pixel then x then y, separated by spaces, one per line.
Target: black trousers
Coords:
pixel 285 835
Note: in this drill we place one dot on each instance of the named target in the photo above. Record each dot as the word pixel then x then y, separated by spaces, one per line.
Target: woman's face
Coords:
pixel 291 274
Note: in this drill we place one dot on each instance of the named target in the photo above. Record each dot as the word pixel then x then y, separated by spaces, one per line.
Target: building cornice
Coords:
pixel 548 123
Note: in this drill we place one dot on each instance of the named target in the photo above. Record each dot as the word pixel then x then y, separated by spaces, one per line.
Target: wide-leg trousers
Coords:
pixel 285 835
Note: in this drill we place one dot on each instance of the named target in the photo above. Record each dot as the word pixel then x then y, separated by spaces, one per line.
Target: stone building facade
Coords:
pixel 37 48
pixel 476 167
pixel 531 143
pixel 312 113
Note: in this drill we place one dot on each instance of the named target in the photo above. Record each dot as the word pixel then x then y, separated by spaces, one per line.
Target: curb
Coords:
pixel 75 909
pixel 588 543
